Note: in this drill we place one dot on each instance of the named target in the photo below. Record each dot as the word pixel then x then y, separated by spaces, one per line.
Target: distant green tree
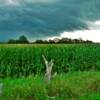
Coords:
pixel 65 40
pixel 51 41
pixel 39 41
pixel 22 39
pixel 45 42
pixel 11 41
pixel 88 41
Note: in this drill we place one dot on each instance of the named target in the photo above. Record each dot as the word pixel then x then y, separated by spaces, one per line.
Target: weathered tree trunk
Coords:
pixel 49 66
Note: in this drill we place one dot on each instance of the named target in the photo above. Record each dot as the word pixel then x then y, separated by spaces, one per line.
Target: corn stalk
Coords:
pixel 1 87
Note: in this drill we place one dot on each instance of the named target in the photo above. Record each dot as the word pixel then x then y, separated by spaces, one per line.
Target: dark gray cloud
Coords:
pixel 43 18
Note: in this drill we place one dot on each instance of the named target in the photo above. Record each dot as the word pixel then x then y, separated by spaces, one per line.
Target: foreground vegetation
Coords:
pixel 25 60
pixel 22 71
pixel 70 86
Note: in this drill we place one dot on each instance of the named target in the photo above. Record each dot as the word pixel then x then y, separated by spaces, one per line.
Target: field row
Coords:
pixel 24 60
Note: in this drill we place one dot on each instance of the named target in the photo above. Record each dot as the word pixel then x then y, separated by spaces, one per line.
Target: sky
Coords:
pixel 47 19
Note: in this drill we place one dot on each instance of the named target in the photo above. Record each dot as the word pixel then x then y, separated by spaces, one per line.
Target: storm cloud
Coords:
pixel 44 18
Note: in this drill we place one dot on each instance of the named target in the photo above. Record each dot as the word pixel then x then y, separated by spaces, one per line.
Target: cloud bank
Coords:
pixel 46 18
pixel 92 34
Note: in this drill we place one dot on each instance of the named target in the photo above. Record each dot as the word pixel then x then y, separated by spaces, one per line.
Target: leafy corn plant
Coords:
pixel 24 60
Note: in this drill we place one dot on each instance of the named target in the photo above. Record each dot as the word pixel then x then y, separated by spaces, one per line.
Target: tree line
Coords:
pixel 63 40
pixel 23 40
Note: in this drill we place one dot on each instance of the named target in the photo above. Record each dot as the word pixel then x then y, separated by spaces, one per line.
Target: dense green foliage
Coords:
pixel 71 86
pixel 22 40
pixel 24 60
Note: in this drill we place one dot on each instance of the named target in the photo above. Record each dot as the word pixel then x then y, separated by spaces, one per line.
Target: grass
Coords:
pixel 70 86
pixel 22 70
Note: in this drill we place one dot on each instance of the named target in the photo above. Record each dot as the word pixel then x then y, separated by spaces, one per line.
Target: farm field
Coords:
pixel 22 71
pixel 24 60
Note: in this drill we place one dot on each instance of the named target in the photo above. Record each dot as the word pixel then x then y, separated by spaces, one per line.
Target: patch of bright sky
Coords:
pixel 92 34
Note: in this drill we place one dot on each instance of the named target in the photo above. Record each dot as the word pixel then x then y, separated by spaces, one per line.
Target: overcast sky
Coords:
pixel 41 19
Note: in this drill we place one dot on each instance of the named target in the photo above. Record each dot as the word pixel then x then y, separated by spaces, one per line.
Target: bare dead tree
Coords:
pixel 49 66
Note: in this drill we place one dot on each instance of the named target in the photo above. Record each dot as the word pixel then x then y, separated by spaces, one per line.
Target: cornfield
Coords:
pixel 24 60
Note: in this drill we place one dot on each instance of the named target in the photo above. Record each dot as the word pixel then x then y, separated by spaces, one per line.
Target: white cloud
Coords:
pixel 94 25
pixel 92 34
pixel 17 2
pixel 41 1
pixel 12 2
pixel 9 3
